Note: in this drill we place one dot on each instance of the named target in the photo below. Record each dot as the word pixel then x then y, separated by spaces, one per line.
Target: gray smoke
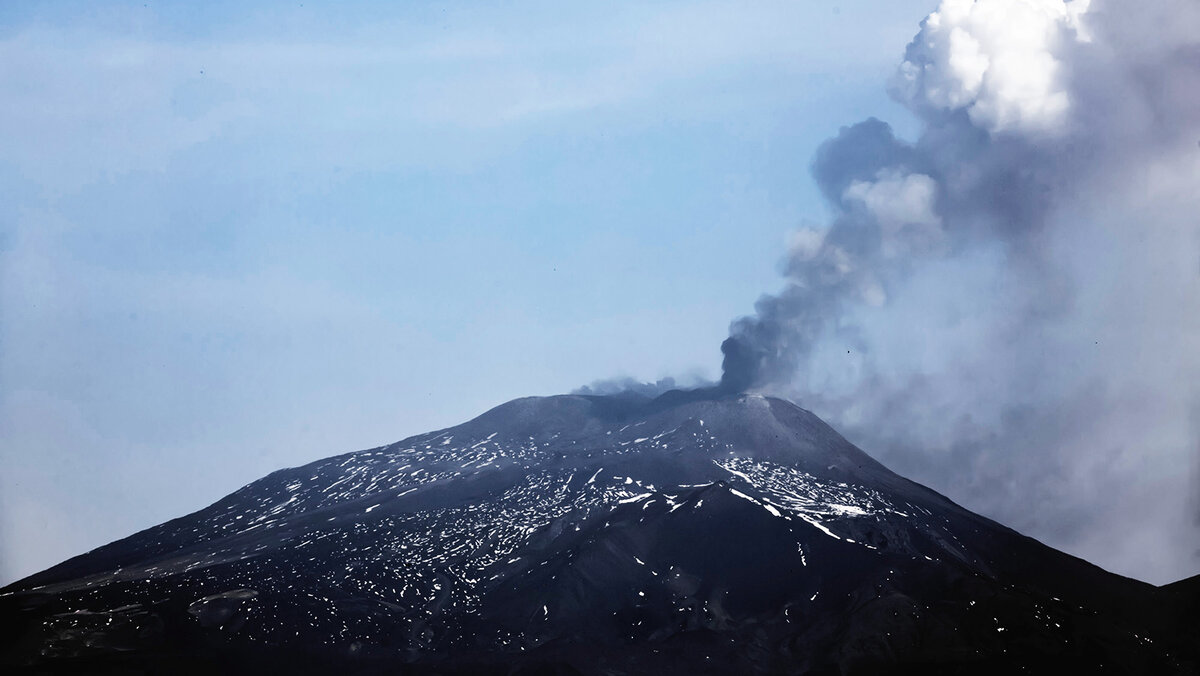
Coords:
pixel 1005 308
pixel 625 385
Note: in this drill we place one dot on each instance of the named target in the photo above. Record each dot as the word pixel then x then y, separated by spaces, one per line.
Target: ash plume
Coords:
pixel 1004 307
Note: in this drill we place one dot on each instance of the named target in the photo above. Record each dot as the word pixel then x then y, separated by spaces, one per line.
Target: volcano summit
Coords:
pixel 694 533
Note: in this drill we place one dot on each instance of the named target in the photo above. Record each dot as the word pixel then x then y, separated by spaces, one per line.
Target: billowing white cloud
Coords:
pixel 999 60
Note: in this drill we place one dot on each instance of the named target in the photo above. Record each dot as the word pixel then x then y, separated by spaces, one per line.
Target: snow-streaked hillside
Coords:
pixel 693 533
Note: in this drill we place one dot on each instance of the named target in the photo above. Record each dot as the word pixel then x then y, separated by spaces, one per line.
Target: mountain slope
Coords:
pixel 690 534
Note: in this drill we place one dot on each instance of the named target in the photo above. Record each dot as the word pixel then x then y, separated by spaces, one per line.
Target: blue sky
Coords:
pixel 235 240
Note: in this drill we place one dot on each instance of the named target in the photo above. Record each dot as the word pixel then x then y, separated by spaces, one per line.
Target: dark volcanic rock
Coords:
pixel 691 534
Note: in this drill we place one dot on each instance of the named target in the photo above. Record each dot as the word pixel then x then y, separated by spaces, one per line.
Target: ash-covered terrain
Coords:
pixel 696 533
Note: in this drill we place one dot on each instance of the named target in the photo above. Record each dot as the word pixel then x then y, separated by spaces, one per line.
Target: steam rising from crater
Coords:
pixel 1005 306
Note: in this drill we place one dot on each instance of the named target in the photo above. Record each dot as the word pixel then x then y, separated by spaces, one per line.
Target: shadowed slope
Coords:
pixel 699 532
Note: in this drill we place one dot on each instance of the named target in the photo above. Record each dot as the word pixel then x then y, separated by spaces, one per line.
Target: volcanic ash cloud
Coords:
pixel 1020 280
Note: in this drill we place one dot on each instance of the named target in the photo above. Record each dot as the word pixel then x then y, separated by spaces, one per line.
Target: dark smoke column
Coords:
pixel 1055 143
pixel 740 365
pixel 755 353
pixel 752 355
pixel 885 218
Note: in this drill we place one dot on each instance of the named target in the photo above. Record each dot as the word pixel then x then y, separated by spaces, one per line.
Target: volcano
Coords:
pixel 695 533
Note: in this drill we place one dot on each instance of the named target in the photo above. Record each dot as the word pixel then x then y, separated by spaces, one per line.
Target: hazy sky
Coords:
pixel 236 240
pixel 239 240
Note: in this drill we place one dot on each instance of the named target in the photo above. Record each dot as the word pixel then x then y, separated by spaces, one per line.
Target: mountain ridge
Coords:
pixel 451 543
